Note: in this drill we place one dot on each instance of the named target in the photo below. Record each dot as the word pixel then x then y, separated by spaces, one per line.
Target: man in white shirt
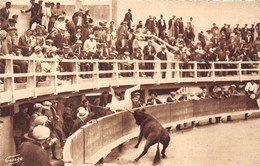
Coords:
pixel 90 45
pixel 251 87
pixel 46 14
pixel 125 104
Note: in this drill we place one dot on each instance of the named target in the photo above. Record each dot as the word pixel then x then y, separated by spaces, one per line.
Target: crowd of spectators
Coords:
pixel 52 34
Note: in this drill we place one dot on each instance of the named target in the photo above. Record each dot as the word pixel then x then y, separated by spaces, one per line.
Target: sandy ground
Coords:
pixel 225 144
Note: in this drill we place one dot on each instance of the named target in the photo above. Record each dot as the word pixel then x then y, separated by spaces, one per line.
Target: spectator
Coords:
pixel 24 43
pixel 232 90
pixel 35 10
pixel 4 14
pixel 161 27
pixel 82 119
pixel 171 98
pixel 32 151
pixel 251 88
pixel 222 93
pixel 90 46
pixel 122 29
pixel 128 18
pixel 204 94
pixel 171 27
pixel 149 53
pixel 163 56
pixel 153 99
pixel 20 125
pixel 122 44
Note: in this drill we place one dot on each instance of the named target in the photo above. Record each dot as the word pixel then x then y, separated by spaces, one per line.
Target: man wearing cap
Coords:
pixel 6 42
pixel 171 27
pixel 153 99
pixel 128 18
pixel 32 152
pixel 149 53
pixel 232 90
pixel 222 93
pixel 214 30
pixel 171 98
pixel 163 56
pixel 37 112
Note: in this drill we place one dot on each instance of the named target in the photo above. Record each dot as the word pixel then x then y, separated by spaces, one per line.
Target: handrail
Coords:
pixel 100 137
pixel 96 77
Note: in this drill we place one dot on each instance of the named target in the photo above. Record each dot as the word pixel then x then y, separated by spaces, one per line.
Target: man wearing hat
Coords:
pixel 122 44
pixel 82 118
pixel 128 18
pixel 222 93
pixel 232 90
pixel 46 14
pixel 56 122
pixel 171 98
pixel 163 56
pixel 153 99
pixel 32 152
pixel 149 53
pixel 122 29
pixel 90 45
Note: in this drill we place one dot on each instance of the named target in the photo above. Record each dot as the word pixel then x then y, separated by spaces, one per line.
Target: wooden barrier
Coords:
pixel 181 110
pixel 207 106
pixel 93 141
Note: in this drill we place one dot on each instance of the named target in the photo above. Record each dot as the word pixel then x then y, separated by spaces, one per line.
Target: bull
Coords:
pixel 154 133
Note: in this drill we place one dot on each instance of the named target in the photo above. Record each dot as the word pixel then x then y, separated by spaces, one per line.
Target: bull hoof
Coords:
pixel 163 156
pixel 136 160
pixel 136 146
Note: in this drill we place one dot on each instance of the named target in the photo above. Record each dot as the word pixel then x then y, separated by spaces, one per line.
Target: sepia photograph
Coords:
pixel 129 82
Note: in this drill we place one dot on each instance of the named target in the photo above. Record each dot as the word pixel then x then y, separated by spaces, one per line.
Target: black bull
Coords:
pixel 153 131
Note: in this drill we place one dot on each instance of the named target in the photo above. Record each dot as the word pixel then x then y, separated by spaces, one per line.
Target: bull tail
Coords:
pixel 157 158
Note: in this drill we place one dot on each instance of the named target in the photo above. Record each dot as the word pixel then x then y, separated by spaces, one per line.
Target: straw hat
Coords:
pixel 40 120
pixel 83 113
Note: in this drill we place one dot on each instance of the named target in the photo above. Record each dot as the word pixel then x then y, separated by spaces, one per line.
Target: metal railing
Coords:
pixel 95 74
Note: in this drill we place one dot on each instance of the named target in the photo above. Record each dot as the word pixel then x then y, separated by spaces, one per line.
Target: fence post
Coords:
pixel 177 68
pixel 136 72
pixel 157 73
pixel 240 71
pixel 9 82
pixel 196 71
pixel 96 73
pixel 115 75
pixel 213 71
pixel 76 77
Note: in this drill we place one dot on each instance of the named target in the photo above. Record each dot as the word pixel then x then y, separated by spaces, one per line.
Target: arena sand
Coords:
pixel 224 144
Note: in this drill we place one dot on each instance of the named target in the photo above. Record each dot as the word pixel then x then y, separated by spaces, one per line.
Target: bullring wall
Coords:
pixel 93 141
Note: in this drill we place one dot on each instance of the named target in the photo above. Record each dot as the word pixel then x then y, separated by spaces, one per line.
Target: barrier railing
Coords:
pixel 41 77
pixel 99 138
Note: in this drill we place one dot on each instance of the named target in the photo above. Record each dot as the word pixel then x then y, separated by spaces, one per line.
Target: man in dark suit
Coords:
pixel 4 14
pixel 244 31
pixel 128 18
pixel 130 37
pixel 122 44
pixel 153 99
pixel 24 43
pixel 163 56
pixel 237 29
pixel 161 27
pixel 202 39
pixel 149 53
pixel 35 11
pixel 181 27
